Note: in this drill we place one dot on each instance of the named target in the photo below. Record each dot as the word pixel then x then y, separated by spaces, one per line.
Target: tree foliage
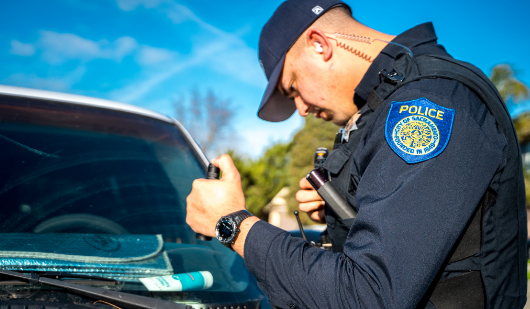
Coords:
pixel 315 133
pixel 522 127
pixel 283 165
pixel 510 87
pixel 263 177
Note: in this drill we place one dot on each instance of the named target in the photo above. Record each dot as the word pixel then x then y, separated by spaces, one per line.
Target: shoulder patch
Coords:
pixel 418 130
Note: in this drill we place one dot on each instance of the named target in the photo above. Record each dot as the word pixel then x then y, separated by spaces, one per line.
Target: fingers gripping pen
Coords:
pixel 212 173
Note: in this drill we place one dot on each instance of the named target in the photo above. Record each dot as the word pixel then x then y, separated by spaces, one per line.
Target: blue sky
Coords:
pixel 149 52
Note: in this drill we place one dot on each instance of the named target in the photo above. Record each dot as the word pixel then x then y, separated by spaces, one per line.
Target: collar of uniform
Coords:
pixel 351 125
pixel 411 38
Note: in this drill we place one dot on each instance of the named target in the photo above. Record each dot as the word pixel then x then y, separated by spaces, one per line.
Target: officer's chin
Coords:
pixel 338 122
pixel 321 115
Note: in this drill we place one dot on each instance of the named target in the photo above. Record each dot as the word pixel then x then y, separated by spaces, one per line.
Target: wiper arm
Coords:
pixel 62 274
pixel 122 299
pixel 86 279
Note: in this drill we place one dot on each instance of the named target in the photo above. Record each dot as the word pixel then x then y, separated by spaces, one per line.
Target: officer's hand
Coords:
pixel 310 202
pixel 210 199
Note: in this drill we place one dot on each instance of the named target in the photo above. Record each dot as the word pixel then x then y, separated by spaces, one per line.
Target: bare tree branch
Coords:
pixel 208 118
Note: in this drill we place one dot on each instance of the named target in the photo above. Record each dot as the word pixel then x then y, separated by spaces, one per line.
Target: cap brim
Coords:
pixel 274 105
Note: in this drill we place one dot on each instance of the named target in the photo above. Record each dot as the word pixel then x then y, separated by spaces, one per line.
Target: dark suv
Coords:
pixel 93 193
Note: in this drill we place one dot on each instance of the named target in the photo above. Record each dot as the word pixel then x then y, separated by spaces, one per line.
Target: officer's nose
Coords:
pixel 301 106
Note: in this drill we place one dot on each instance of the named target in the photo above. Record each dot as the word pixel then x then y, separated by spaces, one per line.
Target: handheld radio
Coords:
pixel 213 173
pixel 318 178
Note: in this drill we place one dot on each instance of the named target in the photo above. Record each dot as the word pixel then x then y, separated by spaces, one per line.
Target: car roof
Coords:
pixel 81 100
pixel 99 103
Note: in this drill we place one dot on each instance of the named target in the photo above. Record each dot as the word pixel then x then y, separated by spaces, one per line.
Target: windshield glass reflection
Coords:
pixel 99 192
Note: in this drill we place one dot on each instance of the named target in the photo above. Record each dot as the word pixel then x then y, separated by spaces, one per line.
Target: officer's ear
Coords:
pixel 319 43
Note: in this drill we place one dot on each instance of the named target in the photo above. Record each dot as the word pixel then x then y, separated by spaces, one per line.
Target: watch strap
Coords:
pixel 239 216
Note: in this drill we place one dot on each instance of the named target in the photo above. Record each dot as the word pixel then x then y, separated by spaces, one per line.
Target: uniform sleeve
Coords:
pixel 409 215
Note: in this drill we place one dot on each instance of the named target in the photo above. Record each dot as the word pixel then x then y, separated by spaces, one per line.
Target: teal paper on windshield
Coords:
pixel 123 257
pixel 86 248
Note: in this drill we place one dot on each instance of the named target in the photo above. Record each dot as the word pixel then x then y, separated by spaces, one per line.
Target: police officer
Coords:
pixel 434 172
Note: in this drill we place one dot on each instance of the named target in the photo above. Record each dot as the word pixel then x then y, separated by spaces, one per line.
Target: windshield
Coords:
pixel 92 191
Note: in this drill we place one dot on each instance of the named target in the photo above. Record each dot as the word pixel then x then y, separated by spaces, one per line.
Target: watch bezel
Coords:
pixel 233 223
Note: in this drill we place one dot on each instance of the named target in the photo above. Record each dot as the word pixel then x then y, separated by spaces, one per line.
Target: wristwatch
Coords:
pixel 227 227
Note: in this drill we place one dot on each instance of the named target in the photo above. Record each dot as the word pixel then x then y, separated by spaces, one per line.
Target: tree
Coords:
pixel 283 165
pixel 510 87
pixel 264 177
pixel 503 77
pixel 522 127
pixel 208 118
pixel 315 133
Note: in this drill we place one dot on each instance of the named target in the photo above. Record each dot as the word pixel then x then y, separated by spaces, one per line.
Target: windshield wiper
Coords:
pixel 87 279
pixel 62 275
pixel 122 299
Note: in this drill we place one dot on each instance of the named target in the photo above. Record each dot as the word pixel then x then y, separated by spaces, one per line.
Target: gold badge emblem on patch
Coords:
pixel 416 135
pixel 418 130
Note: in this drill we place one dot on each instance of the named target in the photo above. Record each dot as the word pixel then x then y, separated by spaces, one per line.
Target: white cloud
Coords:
pixel 57 48
pixel 129 5
pixel 224 52
pixel 138 89
pixel 240 62
pixel 151 55
pixel 31 80
pixel 61 47
pixel 221 55
pixel 122 47
pixel 179 13
pixel 21 49
pixel 218 50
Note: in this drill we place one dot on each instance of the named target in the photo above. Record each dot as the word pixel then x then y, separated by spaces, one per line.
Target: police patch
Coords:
pixel 418 130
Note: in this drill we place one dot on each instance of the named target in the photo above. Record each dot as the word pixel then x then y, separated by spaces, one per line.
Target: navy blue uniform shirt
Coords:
pixel 409 215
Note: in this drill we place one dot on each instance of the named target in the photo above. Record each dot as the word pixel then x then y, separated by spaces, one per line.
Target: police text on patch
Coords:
pixel 431 112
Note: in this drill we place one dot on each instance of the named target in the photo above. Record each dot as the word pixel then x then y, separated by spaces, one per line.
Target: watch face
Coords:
pixel 225 230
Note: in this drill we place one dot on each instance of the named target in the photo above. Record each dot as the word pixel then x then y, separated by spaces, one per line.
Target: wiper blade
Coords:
pixel 62 275
pixel 122 299
pixel 86 279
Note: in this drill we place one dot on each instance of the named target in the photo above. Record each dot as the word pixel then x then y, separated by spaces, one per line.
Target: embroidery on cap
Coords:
pixel 418 130
pixel 317 10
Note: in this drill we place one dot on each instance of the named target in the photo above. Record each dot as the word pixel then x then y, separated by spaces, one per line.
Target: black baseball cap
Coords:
pixel 278 35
